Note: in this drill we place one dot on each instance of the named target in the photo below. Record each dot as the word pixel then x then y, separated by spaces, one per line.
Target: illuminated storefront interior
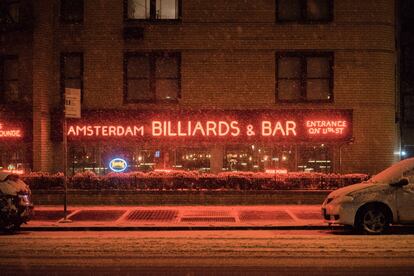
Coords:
pixel 266 140
pixel 15 146
pixel 317 158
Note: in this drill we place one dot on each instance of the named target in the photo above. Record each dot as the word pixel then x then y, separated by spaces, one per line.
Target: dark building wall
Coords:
pixel 406 42
pixel 228 62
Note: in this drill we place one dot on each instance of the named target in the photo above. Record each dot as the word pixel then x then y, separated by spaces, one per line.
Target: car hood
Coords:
pixel 352 188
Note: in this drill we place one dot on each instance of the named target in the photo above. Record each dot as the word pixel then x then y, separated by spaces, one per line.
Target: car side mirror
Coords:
pixel 401 183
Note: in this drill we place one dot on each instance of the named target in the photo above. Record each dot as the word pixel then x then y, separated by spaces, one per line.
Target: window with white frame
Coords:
pixel 153 9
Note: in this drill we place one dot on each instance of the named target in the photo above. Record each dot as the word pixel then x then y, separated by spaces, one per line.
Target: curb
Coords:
pixel 175 228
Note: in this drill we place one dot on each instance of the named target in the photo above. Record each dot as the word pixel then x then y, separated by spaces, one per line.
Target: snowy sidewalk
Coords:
pixel 177 217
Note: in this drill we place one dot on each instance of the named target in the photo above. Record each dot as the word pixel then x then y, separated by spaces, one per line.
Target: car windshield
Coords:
pixel 393 173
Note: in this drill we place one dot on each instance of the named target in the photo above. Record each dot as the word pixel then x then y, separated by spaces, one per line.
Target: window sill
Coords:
pixel 71 26
pixel 15 106
pixel 305 101
pixel 154 102
pixel 70 22
pixel 153 21
pixel 305 22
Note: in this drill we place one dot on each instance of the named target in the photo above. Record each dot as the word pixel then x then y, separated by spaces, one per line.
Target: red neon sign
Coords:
pixel 276 171
pixel 10 132
pixel 262 125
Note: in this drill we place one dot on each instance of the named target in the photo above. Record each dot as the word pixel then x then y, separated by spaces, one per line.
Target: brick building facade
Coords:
pixel 177 57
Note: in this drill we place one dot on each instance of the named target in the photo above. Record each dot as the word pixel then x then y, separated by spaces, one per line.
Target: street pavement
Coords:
pixel 177 217
pixel 247 252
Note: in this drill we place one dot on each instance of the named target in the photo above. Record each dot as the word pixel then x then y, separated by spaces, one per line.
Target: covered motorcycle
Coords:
pixel 16 206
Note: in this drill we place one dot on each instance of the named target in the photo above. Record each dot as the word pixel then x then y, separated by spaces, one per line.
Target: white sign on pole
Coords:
pixel 72 103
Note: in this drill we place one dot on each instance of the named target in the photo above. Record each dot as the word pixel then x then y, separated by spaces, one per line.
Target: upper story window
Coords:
pixel 408 109
pixel 71 11
pixel 151 77
pixel 71 69
pixel 9 80
pixel 9 11
pixel 153 9
pixel 304 77
pixel 16 15
pixel 304 10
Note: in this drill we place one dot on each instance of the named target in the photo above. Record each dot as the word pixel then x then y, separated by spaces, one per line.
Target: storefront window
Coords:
pixel 280 158
pixel 239 159
pixel 255 158
pixel 84 158
pixel 316 158
pixel 14 158
pixel 152 159
pixel 259 158
pixel 193 159
pixel 97 158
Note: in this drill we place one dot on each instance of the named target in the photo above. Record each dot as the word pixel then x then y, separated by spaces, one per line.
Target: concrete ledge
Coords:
pixel 162 198
pixel 176 228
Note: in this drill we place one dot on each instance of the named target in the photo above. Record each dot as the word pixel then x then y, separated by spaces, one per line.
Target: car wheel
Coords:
pixel 373 220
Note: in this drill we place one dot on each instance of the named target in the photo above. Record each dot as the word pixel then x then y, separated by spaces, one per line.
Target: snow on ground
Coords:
pixel 218 244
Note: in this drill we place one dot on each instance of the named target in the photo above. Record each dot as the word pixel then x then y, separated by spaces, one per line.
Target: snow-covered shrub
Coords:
pixel 40 180
pixel 193 180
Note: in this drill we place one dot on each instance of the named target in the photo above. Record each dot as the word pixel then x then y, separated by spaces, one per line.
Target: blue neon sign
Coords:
pixel 118 165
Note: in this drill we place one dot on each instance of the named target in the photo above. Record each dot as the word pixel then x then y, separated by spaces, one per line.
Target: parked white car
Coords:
pixel 371 206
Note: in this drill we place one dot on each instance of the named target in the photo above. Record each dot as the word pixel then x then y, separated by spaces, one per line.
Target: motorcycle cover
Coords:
pixel 10 184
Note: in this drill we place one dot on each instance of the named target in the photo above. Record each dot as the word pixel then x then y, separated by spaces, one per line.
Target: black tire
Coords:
pixel 373 219
pixel 11 228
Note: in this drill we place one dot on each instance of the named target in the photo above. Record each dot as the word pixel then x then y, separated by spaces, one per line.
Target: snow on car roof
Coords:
pixel 395 172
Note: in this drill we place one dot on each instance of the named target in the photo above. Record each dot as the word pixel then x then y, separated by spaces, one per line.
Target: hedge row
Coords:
pixel 195 181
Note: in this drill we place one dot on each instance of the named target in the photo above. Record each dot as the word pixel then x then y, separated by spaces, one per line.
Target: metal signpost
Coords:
pixel 72 110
